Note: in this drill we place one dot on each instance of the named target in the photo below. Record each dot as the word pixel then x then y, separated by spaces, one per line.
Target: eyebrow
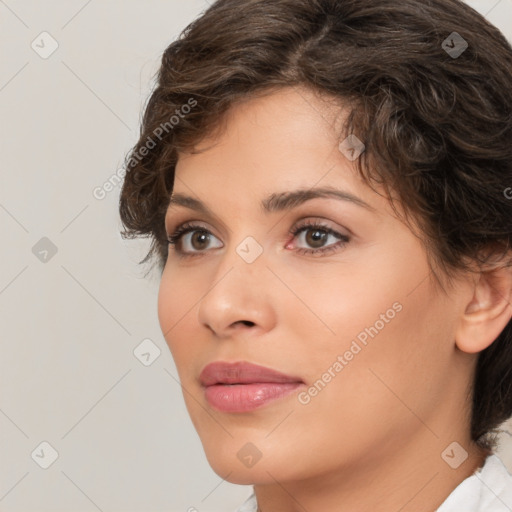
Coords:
pixel 279 201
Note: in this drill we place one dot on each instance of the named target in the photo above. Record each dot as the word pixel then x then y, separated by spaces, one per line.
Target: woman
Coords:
pixel 327 188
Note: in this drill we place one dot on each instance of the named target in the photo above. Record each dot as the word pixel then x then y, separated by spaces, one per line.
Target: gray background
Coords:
pixel 71 319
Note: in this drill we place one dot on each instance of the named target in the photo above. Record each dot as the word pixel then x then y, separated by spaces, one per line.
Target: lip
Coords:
pixel 243 386
pixel 241 372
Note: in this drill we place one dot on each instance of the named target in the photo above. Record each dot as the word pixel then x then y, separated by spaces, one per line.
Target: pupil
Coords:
pixel 317 236
pixel 200 235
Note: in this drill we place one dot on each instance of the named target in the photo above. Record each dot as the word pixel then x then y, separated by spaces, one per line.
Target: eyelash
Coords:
pixel 186 228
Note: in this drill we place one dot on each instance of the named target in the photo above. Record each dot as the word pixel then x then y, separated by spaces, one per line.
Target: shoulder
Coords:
pixel 249 505
pixel 489 489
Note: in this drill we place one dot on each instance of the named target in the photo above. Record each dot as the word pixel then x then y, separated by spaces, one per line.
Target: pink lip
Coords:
pixel 242 386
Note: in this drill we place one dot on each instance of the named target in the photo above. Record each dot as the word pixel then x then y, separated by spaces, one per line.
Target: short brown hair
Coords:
pixel 436 123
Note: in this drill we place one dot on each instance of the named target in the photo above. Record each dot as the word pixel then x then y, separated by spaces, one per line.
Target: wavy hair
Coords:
pixel 435 117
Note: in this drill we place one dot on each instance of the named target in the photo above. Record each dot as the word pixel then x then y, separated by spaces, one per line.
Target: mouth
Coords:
pixel 243 386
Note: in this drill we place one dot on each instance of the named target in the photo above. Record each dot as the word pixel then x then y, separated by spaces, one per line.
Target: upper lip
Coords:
pixel 241 372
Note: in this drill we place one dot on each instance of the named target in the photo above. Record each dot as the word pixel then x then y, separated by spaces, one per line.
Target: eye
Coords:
pixel 318 234
pixel 194 245
pixel 200 237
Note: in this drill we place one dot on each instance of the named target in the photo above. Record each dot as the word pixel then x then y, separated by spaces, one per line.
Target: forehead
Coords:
pixel 286 138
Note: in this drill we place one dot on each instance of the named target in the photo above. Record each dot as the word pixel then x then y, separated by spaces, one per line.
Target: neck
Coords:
pixel 411 478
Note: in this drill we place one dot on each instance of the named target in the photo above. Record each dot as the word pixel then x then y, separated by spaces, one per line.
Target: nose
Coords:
pixel 239 298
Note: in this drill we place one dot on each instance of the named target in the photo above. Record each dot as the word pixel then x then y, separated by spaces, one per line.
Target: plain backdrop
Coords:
pixel 74 304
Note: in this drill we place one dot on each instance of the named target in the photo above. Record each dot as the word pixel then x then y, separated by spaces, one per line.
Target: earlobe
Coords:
pixel 488 312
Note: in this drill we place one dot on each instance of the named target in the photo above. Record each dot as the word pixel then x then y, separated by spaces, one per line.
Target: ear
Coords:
pixel 489 310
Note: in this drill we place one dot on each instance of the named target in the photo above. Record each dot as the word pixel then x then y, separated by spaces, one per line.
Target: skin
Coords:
pixel 372 438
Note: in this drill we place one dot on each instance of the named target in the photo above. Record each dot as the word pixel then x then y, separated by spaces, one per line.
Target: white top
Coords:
pixel 488 489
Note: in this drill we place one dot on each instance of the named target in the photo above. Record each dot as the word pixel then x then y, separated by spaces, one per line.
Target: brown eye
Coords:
pixel 199 239
pixel 316 237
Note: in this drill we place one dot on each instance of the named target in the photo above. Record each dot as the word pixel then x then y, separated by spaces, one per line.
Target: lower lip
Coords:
pixel 247 397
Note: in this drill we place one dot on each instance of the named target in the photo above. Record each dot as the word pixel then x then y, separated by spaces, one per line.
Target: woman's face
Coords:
pixel 352 314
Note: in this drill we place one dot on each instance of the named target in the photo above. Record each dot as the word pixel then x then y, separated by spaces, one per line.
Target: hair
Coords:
pixel 437 127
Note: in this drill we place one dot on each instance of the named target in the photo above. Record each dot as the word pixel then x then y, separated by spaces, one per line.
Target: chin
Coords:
pixel 243 465
pixel 235 474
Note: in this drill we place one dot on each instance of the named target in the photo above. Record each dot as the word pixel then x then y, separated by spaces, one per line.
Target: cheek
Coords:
pixel 379 393
pixel 369 298
pixel 166 299
pixel 174 301
pixel 382 317
pixel 179 298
